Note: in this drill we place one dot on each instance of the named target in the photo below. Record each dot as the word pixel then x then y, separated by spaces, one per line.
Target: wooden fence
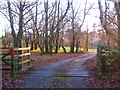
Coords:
pixel 15 59
pixel 107 56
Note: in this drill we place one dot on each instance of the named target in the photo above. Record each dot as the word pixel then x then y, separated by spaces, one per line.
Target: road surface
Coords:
pixel 68 73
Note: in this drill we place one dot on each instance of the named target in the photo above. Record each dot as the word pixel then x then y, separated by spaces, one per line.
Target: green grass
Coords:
pixel 92 49
pixel 68 48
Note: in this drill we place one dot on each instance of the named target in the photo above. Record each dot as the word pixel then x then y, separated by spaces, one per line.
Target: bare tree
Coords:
pixel 73 31
pixel 58 27
pixel 17 12
pixel 46 25
pixel 55 26
pixel 76 30
pixel 106 23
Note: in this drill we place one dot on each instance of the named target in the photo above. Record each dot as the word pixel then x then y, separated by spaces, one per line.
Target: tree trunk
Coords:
pixel 35 45
pixel 51 40
pixel 32 46
pixel 73 32
pixel 46 26
pixel 12 26
pixel 57 43
pixel 72 48
pixel 77 45
pixel 57 32
pixel 51 49
pixel 20 33
pixel 87 40
pixel 36 30
pixel 118 31
pixel 41 49
pixel 118 18
pixel 64 49
pixel 27 41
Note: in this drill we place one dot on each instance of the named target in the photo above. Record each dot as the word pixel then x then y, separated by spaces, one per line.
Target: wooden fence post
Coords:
pixel 19 59
pixel 102 58
pixel 12 61
pixel 29 56
pixel 12 66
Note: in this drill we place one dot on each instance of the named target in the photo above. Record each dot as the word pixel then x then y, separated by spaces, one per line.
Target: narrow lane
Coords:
pixel 56 76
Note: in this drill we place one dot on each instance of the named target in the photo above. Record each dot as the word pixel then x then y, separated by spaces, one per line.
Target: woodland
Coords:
pixel 56 30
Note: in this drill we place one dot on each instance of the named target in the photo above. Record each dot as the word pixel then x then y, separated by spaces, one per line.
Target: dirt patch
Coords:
pixel 109 80
pixel 12 82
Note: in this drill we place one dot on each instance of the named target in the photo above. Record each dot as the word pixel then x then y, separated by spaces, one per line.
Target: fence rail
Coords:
pixel 115 50
pixel 16 58
pixel 27 48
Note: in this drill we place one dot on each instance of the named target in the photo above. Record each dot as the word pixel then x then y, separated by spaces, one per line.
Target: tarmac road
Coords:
pixel 68 73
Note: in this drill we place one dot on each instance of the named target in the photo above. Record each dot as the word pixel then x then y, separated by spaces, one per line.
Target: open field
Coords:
pixel 68 49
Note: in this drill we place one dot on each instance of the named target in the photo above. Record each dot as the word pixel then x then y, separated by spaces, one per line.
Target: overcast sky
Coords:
pixel 92 18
